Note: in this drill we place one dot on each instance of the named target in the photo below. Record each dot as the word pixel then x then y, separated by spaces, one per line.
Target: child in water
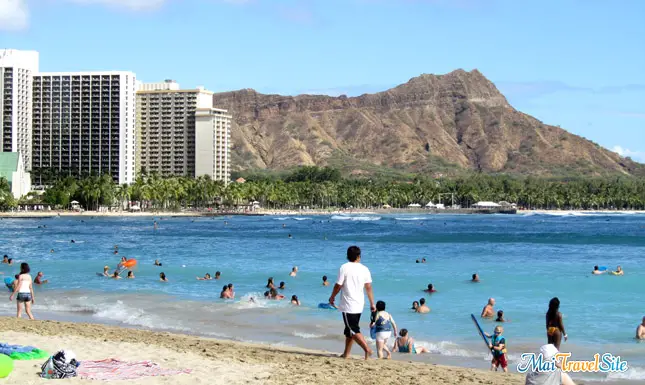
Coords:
pixel 498 347
pixel 500 316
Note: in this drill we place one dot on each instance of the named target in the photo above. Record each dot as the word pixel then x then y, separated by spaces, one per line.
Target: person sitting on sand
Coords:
pixel 598 272
pixel 294 271
pixel 294 300
pixel 325 282
pixel 383 325
pixel 39 279
pixel 116 275
pixel 619 271
pixel 500 317
pixel 218 275
pixel 475 278
pixel 282 286
pixel 157 263
pixel 270 284
pixel 415 306
pixel 405 344
pixel 423 308
pixel 640 331
pixel 5 259
pixel 207 277
pixel 488 311
pixel 430 289
pixel 162 277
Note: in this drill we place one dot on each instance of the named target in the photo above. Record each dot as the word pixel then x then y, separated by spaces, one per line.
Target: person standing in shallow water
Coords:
pixel 554 325
pixel 354 280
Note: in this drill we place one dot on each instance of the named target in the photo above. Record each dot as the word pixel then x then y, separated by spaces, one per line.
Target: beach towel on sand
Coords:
pixel 18 352
pixel 112 369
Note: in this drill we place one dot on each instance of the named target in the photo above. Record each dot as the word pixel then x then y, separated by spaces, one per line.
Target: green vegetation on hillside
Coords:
pixel 324 188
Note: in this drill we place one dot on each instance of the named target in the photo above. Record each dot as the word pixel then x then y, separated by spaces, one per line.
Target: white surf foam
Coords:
pixel 354 218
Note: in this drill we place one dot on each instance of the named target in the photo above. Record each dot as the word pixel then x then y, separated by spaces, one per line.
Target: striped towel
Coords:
pixel 112 369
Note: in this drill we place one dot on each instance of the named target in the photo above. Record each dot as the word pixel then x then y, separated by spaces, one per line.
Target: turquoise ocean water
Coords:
pixel 522 260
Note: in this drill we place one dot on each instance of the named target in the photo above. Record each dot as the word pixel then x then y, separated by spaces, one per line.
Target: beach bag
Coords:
pixel 61 365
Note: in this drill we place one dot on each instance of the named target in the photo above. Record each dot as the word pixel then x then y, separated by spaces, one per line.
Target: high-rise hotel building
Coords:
pixel 180 133
pixel 84 124
pixel 17 69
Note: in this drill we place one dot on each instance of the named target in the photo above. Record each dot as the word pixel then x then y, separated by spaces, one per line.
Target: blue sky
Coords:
pixel 579 64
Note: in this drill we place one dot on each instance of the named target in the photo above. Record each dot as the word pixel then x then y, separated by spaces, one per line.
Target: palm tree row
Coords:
pixel 153 192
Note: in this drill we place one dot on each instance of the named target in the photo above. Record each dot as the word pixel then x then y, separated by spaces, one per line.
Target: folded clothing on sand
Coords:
pixel 18 352
pixel 112 369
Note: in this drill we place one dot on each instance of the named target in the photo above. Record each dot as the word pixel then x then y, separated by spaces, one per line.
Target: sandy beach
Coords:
pixel 221 362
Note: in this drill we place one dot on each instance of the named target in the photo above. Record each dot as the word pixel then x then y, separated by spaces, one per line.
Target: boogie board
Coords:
pixel 602 268
pixel 373 333
pixel 480 331
pixel 326 306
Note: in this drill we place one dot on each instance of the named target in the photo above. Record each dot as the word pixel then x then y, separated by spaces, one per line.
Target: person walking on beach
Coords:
pixel 24 292
pixel 354 279
pixel 488 311
pixel 554 325
pixel 383 325
pixel 497 346
pixel 640 331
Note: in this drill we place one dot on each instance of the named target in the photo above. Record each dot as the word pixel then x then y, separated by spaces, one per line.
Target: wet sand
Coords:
pixel 223 362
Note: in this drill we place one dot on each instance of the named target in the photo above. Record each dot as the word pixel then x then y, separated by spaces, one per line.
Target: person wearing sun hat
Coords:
pixel 556 377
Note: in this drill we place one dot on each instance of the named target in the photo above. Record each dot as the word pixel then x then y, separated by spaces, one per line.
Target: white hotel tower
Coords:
pixel 84 124
pixel 17 69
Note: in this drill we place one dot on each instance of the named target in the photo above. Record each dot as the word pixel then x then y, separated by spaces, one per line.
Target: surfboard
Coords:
pixel 480 331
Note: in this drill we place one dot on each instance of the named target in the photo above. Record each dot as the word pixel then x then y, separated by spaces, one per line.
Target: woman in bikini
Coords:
pixel 405 344
pixel 554 325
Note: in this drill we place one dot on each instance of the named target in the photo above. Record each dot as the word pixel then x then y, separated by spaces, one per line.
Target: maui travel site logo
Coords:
pixel 605 363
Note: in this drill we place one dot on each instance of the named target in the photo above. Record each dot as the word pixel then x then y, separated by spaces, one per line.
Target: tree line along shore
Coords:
pixel 325 188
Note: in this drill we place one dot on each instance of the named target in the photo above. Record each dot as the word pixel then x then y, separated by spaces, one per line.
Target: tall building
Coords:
pixel 181 134
pixel 84 124
pixel 17 69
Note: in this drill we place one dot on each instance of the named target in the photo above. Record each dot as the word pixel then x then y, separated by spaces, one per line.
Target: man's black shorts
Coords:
pixel 351 324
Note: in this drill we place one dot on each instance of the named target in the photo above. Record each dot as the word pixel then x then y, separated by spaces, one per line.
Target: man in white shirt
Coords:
pixel 353 279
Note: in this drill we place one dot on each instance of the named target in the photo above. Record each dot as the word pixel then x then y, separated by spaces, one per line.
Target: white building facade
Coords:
pixel 84 124
pixel 17 69
pixel 180 134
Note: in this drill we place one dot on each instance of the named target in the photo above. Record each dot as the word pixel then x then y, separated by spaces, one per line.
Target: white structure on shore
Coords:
pixel 17 69
pixel 13 170
pixel 181 134
pixel 84 124
pixel 166 85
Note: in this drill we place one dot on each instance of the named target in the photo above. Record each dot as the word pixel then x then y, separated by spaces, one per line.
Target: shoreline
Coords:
pixel 241 362
pixel 268 212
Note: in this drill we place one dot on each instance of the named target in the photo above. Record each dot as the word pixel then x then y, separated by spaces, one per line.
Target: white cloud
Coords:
pixel 134 5
pixel 14 15
pixel 625 152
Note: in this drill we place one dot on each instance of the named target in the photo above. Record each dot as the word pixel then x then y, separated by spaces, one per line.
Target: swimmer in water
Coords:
pixel 475 278
pixel 488 311
pixel 325 281
pixel 10 262
pixel 217 275
pixel 284 225
pixel 270 284
pixel 5 259
pixel 157 263
pixel 51 251
pixel 415 305
pixel 290 236
pixel 116 275
pixel 231 292
pixel 294 271
pixel 500 316
pixel 273 294
pixel 224 293
pixel 640 331
pixel 596 271
pixel 207 277
pixel 156 226
pixel 430 289
pixel 106 271
pixel 39 279
pixel 423 308
pixel 281 287
pixel 73 241
pixel 162 277
pixel 130 275
pixel 423 260
pixel 294 300
pixel 418 261
pixel 619 271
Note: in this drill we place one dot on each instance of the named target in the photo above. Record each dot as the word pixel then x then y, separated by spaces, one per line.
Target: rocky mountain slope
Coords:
pixel 457 120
